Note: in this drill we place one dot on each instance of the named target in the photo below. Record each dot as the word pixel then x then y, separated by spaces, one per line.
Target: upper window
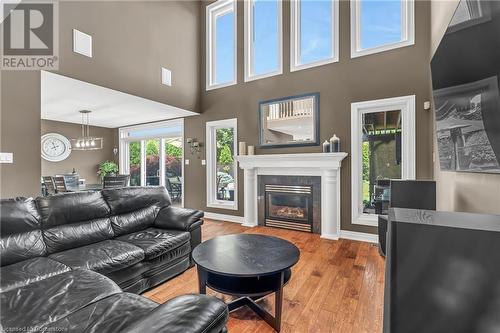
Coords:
pixel 381 25
pixel 263 39
pixel 314 33
pixel 221 44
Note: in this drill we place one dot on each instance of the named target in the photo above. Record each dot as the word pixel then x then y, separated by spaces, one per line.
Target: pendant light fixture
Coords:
pixel 86 141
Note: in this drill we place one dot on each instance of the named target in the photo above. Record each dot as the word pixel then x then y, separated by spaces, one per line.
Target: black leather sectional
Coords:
pixel 76 261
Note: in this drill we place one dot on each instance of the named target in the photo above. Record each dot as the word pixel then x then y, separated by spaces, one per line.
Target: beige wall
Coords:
pixel 131 41
pixel 400 72
pixel 20 133
pixel 85 162
pixel 460 191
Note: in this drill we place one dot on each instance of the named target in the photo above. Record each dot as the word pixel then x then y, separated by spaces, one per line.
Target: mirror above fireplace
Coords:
pixel 289 121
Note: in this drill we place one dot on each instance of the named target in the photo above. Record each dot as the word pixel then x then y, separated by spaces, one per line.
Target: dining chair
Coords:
pixel 174 187
pixel 60 184
pixel 72 181
pixel 50 187
pixel 115 181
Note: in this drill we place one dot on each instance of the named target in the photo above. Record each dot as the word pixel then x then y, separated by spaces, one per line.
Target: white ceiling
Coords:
pixel 62 97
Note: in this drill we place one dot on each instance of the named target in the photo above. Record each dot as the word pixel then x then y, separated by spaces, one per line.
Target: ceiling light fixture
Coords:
pixel 86 141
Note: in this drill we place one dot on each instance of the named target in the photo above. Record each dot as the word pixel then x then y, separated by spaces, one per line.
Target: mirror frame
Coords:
pixel 316 123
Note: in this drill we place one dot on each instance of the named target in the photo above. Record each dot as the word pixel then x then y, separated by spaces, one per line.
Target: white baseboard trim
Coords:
pixel 330 236
pixel 224 217
pixel 359 236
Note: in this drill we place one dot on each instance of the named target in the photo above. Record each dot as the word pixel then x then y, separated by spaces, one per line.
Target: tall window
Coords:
pixel 314 33
pixel 381 25
pixel 263 39
pixel 222 173
pixel 383 148
pixel 221 44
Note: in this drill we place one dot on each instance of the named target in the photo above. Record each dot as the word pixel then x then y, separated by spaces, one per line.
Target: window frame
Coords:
pixel 213 11
pixel 408 148
pixel 407 23
pixel 211 160
pixel 249 42
pixel 295 64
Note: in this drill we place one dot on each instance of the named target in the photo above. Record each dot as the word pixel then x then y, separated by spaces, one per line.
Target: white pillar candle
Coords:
pixel 243 148
pixel 251 150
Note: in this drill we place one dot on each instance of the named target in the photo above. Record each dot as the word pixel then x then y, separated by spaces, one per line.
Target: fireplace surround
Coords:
pixel 324 165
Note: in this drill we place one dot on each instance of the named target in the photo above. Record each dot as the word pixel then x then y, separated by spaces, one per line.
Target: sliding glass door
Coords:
pixel 153 151
pixel 134 162
pixel 153 155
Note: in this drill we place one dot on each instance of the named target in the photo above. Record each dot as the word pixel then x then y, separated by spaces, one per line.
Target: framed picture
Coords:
pixel 289 122
pixel 467 126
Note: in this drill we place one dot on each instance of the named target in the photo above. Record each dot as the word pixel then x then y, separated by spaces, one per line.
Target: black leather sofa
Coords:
pixel 74 262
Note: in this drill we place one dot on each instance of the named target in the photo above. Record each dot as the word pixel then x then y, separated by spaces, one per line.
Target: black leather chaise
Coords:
pixel 67 259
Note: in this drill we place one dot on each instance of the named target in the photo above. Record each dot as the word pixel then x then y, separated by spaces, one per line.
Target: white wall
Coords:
pixel 459 191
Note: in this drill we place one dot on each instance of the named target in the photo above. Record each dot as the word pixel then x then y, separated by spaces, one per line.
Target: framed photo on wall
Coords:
pixel 289 122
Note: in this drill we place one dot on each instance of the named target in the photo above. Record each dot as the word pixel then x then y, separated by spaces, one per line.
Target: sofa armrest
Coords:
pixel 185 314
pixel 179 218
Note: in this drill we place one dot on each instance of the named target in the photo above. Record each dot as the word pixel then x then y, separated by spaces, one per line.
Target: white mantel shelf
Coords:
pixel 325 165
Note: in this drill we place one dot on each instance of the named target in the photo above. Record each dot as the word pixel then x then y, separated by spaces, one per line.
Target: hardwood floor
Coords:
pixel 337 286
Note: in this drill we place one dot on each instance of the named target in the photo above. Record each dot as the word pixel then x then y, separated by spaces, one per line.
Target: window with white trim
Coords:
pixel 314 27
pixel 382 148
pixel 381 25
pixel 222 172
pixel 263 39
pixel 221 44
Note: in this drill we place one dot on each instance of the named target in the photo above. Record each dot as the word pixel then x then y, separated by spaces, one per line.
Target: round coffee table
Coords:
pixel 248 266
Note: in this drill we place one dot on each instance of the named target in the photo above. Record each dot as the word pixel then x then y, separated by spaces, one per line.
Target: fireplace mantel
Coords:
pixel 326 165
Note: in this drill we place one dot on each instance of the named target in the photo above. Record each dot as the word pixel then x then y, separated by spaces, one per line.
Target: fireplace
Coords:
pixel 290 202
pixel 321 170
pixel 289 206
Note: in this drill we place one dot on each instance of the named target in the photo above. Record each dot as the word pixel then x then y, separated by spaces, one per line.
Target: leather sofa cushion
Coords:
pixel 103 257
pixel 29 271
pixel 39 304
pixel 134 221
pixel 21 237
pixel 111 314
pixel 185 314
pixel 71 207
pixel 23 246
pixel 156 242
pixel 73 235
pixel 18 215
pixel 127 199
pixel 179 218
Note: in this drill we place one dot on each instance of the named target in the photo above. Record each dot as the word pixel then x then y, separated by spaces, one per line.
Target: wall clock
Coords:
pixel 55 147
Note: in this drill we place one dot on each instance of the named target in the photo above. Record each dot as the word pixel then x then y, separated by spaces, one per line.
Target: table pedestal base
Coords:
pixel 274 321
pixel 249 290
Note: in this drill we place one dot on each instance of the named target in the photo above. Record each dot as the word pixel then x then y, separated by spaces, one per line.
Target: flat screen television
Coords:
pixel 465 78
pixel 442 272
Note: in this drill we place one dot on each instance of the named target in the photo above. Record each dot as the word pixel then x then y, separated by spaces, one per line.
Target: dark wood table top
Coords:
pixel 246 255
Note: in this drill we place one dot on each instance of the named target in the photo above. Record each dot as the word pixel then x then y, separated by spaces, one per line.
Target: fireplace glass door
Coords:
pixel 289 206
